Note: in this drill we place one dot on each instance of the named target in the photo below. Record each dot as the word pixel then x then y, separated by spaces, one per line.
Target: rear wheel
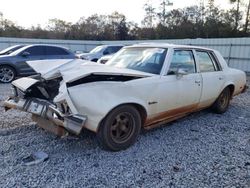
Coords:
pixel 7 74
pixel 120 128
pixel 221 104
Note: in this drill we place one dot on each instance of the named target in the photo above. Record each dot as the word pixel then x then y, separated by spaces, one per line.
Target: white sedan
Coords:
pixel 142 86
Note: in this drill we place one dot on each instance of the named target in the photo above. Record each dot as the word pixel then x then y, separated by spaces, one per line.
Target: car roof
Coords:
pixel 168 45
pixel 25 47
pixel 110 45
pixel 46 45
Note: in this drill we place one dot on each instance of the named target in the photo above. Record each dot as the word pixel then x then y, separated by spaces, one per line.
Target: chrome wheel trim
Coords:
pixel 6 74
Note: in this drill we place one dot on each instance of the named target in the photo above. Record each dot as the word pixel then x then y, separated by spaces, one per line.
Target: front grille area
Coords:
pixel 15 92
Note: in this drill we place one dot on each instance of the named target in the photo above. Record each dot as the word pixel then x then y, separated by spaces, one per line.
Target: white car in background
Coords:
pixel 105 59
pixel 99 52
pixel 142 86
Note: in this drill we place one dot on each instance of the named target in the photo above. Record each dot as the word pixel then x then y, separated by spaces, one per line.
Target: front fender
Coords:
pixel 96 100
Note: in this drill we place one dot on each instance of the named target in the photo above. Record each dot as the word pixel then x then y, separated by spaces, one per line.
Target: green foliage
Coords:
pixel 190 22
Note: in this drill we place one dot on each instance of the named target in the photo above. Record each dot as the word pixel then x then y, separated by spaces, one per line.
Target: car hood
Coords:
pixel 72 70
pixel 87 54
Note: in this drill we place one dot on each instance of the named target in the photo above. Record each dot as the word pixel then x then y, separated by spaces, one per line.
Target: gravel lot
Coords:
pixel 201 150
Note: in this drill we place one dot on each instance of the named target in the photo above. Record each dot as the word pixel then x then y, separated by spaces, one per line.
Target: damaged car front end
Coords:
pixel 60 98
pixel 36 97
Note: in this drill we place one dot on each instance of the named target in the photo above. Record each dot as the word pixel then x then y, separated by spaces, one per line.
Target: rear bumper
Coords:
pixel 48 112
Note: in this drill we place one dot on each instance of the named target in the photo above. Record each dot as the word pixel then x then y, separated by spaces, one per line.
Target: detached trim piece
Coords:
pixel 99 78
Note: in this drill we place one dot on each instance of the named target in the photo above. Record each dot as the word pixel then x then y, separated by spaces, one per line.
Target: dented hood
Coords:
pixel 98 69
pixel 50 69
pixel 72 70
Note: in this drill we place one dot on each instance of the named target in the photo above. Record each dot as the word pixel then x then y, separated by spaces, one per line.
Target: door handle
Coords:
pixel 221 78
pixel 197 81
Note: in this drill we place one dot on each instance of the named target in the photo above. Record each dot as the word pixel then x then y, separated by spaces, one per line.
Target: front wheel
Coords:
pixel 221 104
pixel 7 74
pixel 120 128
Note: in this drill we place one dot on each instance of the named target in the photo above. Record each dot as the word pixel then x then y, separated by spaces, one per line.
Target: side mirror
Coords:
pixel 180 72
pixel 25 54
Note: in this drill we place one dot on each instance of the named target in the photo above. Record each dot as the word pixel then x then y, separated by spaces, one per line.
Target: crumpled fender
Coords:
pixel 96 100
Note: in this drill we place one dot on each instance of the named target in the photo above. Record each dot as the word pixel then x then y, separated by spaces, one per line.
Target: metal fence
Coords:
pixel 236 51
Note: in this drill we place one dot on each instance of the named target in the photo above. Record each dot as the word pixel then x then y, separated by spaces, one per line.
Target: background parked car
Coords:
pixel 104 59
pixel 10 49
pixel 100 51
pixel 14 64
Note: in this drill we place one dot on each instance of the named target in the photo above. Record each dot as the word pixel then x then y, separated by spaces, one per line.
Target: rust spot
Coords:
pixel 165 117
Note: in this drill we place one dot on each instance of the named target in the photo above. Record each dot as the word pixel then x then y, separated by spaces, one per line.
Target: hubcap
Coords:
pixel 122 127
pixel 6 74
pixel 224 99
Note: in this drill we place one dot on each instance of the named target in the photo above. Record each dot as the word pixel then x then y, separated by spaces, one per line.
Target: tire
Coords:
pixel 120 129
pixel 7 74
pixel 94 60
pixel 222 102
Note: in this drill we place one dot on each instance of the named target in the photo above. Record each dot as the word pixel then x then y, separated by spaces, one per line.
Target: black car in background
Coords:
pixel 14 64
pixel 10 49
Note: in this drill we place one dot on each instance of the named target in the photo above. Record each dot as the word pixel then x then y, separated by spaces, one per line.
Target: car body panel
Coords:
pixel 24 83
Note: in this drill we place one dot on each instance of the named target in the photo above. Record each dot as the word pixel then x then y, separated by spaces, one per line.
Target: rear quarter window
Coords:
pixel 215 61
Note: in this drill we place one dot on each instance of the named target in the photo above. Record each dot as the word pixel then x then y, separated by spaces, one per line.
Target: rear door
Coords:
pixel 53 52
pixel 212 76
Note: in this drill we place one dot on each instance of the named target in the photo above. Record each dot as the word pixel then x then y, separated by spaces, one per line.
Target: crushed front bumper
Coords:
pixel 48 116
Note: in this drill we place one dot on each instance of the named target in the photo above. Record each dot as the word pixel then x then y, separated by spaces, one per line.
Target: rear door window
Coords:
pixel 51 50
pixel 205 62
pixel 112 49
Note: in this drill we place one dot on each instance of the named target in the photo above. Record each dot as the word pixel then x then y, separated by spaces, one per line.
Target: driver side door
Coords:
pixel 178 94
pixel 31 54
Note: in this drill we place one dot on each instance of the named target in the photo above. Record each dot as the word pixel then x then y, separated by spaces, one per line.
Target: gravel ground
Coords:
pixel 200 150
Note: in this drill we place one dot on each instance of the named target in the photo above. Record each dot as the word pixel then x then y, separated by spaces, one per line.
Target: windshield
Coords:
pixel 11 49
pixel 97 49
pixel 143 59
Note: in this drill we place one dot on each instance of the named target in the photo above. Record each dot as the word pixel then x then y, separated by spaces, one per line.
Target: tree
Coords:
pixel 206 20
pixel 237 14
pixel 150 16
pixel 119 26
pixel 162 14
pixel 196 15
pixel 59 28
pixel 247 18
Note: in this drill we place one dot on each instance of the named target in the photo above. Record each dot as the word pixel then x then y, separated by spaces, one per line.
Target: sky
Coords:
pixel 33 12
